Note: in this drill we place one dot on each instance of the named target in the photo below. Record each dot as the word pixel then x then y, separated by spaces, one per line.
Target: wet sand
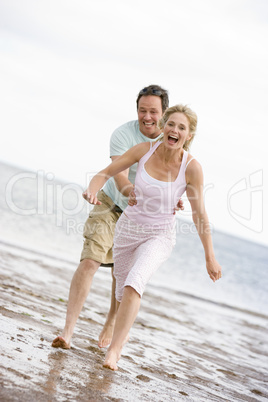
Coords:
pixel 180 348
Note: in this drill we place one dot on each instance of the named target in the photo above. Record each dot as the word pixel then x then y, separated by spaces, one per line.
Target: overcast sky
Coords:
pixel 70 72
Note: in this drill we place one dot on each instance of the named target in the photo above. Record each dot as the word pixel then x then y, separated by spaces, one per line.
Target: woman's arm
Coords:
pixel 120 164
pixel 194 177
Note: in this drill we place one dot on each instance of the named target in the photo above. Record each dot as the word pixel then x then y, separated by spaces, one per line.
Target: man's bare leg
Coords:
pixel 79 289
pixel 106 334
pixel 126 315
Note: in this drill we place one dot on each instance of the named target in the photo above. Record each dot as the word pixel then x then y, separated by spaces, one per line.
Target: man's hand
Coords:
pixel 132 198
pixel 133 201
pixel 179 206
pixel 91 198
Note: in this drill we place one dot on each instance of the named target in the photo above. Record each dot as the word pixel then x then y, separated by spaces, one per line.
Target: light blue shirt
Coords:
pixel 123 138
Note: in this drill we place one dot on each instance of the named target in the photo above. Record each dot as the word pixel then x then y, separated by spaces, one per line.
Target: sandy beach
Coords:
pixel 180 348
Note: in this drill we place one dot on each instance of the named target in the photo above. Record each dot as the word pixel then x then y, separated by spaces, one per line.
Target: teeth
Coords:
pixel 173 136
pixel 148 124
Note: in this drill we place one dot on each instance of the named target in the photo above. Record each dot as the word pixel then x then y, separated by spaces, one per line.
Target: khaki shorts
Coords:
pixel 99 231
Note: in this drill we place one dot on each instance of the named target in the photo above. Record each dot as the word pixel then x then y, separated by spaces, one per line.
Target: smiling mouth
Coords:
pixel 148 124
pixel 172 139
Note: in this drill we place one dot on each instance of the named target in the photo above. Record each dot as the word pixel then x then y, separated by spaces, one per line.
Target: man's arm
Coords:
pixel 117 166
pixel 121 180
pixel 121 140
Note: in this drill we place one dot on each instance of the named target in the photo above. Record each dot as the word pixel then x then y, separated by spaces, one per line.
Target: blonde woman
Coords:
pixel 145 233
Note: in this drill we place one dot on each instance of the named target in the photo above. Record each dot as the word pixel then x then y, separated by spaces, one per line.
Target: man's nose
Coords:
pixel 147 116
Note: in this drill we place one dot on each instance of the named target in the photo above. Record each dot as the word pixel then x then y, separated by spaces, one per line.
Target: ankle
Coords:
pixel 110 320
pixel 67 335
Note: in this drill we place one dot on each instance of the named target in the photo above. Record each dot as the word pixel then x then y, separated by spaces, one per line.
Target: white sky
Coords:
pixel 70 72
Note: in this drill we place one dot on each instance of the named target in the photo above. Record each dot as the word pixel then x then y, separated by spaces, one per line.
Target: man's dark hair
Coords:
pixel 155 90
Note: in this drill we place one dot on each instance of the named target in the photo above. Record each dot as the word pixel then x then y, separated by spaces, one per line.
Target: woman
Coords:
pixel 145 233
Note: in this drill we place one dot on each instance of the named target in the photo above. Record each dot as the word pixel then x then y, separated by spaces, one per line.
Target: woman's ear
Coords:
pixel 189 136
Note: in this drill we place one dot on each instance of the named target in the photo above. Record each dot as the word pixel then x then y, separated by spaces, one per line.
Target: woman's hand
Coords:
pixel 214 269
pixel 91 198
pixel 132 197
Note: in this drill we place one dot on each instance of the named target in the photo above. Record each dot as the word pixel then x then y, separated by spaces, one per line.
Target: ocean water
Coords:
pixel 244 283
pixel 40 213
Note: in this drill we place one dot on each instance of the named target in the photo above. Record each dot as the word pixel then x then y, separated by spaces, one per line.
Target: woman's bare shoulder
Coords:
pixel 192 162
pixel 193 169
pixel 141 149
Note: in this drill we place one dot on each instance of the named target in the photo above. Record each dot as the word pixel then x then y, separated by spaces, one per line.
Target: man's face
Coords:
pixel 149 112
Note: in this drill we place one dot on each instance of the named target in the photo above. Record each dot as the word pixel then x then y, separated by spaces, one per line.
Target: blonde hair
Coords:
pixel 191 116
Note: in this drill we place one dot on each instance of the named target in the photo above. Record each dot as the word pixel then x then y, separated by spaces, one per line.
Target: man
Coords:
pixel 152 101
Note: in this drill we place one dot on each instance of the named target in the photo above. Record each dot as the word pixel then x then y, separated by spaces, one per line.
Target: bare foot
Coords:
pixel 111 359
pixel 106 334
pixel 60 342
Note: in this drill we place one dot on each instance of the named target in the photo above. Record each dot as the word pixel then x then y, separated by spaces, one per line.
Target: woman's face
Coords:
pixel 176 131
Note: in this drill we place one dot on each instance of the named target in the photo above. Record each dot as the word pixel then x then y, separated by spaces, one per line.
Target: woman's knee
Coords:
pixel 131 292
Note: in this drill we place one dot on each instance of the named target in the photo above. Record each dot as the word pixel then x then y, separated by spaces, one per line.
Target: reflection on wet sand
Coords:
pixel 63 365
pixel 56 366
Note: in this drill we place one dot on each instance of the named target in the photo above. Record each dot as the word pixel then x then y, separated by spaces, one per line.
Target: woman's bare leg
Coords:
pixel 126 315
